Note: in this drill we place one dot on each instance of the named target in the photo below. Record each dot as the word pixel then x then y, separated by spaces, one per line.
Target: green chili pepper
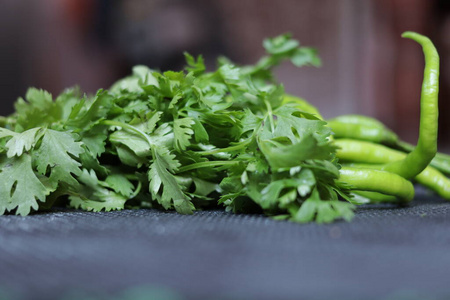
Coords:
pixel 430 178
pixel 392 178
pixel 365 128
pixel 362 128
pixel 436 181
pixel 373 156
pixel 376 181
pixel 360 151
pixel 441 161
pixel 417 160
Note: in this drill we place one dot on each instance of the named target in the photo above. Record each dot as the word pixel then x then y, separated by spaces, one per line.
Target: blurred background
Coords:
pixel 367 67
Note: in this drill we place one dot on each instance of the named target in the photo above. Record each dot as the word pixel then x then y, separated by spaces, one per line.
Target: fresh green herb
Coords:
pixel 184 140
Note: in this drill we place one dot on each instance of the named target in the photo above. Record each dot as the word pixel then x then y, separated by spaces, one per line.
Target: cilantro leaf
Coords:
pixel 142 76
pixel 21 142
pixel 195 66
pixel 281 156
pixel 55 153
pixel 289 123
pixel 280 44
pixel 20 188
pixel 134 142
pixel 161 178
pixel 105 201
pixel 120 184
pixel 182 133
pixel 323 211
pixel 306 56
pixel 6 133
pixel 94 196
pixel 95 140
pixel 128 157
pixel 89 116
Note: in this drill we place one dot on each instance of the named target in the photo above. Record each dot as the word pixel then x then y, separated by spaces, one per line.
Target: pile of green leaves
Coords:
pixel 176 140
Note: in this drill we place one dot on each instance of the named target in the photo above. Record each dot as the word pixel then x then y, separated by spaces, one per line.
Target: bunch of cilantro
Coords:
pixel 176 140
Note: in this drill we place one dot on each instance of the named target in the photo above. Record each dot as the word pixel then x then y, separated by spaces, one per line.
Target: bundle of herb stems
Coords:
pixel 193 139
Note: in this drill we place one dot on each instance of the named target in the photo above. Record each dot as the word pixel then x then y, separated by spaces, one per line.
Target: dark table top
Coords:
pixel 386 252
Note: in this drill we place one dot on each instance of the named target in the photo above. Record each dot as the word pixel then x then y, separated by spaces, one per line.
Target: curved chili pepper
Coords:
pixel 392 178
pixel 417 160
pixel 441 161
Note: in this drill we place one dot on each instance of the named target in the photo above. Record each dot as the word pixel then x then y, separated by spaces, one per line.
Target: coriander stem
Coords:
pixel 206 164
pixel 137 190
pixel 270 114
pixel 227 149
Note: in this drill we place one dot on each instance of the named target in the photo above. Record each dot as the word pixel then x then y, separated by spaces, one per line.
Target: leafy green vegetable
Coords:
pixel 176 140
pixel 54 153
pixel 20 188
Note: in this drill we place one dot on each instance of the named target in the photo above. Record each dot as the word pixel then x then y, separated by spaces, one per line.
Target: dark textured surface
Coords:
pixel 385 253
